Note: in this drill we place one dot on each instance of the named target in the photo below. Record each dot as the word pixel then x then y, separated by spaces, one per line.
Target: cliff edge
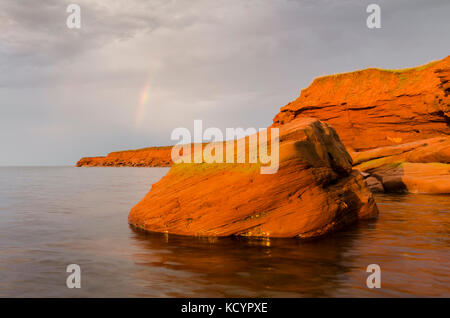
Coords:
pixel 395 123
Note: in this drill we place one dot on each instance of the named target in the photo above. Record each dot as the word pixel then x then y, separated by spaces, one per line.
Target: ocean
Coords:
pixel 51 217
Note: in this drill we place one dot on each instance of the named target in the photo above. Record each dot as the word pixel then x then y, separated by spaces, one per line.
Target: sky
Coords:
pixel 137 69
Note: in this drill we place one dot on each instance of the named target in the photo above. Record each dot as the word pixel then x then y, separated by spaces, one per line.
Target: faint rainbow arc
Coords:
pixel 145 95
pixel 143 99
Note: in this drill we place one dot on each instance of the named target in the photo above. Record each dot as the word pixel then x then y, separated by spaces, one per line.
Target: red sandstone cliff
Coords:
pixel 396 124
pixel 147 157
pixel 375 108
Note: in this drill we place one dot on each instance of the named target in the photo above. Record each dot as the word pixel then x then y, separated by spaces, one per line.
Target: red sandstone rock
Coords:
pixel 374 185
pixel 414 177
pixel 388 119
pixel 422 151
pixel 375 108
pixel 147 157
pixel 314 192
pixel 416 167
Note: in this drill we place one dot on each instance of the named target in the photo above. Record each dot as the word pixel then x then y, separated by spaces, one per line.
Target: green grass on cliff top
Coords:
pixel 395 71
pixel 417 68
pixel 143 149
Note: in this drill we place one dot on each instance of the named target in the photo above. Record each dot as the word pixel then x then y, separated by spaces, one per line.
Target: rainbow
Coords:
pixel 143 98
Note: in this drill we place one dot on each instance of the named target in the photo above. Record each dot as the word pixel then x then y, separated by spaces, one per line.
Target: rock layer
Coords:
pixel 417 167
pixel 414 177
pixel 428 150
pixel 314 192
pixel 147 157
pixel 375 108
pixel 396 123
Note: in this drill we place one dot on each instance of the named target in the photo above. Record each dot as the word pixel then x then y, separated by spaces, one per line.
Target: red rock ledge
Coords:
pixel 376 108
pixel 146 157
pixel 314 192
pixel 395 123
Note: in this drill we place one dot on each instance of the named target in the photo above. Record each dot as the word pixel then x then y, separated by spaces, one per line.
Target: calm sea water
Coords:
pixel 55 216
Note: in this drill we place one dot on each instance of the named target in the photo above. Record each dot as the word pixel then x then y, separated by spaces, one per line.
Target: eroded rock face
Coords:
pixel 396 124
pixel 426 151
pixel 414 177
pixel 417 167
pixel 314 192
pixel 375 108
pixel 147 157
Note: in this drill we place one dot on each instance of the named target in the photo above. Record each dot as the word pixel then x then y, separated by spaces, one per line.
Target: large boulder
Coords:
pixel 315 191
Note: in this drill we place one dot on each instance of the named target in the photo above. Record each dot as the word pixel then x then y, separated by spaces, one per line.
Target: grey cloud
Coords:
pixel 68 93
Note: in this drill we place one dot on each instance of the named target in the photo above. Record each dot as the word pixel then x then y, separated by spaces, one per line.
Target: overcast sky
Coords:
pixel 138 69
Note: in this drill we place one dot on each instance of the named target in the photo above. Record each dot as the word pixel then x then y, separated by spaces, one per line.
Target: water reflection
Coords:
pixel 409 241
pixel 245 267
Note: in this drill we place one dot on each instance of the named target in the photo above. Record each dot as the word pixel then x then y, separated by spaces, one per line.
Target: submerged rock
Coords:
pixel 315 191
pixel 374 184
